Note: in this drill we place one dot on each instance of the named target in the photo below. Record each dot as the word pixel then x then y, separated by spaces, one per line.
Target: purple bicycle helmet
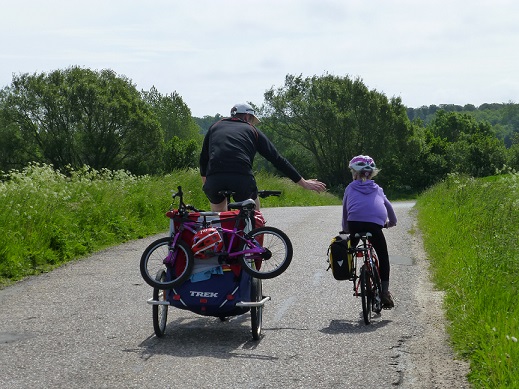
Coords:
pixel 363 164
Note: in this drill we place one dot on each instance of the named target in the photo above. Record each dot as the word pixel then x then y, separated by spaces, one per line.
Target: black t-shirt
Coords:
pixel 230 146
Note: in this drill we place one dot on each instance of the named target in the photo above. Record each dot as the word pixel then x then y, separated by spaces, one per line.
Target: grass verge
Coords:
pixel 48 218
pixel 471 228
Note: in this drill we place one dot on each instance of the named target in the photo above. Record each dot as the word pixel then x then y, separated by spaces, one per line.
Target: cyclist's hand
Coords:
pixel 312 184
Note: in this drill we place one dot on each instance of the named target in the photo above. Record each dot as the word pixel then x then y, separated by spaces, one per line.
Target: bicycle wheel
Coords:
pixel 377 287
pixel 366 293
pixel 274 260
pixel 256 294
pixel 153 258
pixel 160 312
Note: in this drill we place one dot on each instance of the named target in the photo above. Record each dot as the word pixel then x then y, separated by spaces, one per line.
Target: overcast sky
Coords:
pixel 215 53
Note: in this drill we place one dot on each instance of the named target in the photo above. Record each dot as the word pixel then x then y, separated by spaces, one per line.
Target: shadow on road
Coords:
pixel 352 327
pixel 203 336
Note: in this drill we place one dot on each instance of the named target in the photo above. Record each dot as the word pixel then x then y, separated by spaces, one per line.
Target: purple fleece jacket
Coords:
pixel 365 201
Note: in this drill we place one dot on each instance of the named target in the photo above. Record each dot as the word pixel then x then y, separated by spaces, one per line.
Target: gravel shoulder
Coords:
pixel 431 362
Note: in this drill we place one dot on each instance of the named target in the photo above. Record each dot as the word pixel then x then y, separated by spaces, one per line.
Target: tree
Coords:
pixel 181 132
pixel 173 115
pixel 472 147
pixel 513 153
pixel 181 154
pixel 15 152
pixel 82 117
pixel 450 125
pixel 427 161
pixel 335 118
pixel 207 121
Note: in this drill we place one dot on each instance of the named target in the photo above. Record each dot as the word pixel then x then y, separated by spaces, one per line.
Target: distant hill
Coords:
pixel 503 117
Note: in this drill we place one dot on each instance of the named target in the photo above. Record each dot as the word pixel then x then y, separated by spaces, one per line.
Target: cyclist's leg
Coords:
pixel 243 186
pixel 220 207
pixel 378 241
pixel 211 187
pixel 354 228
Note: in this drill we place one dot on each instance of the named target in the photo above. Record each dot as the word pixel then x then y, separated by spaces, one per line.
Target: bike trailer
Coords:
pixel 213 292
pixel 213 288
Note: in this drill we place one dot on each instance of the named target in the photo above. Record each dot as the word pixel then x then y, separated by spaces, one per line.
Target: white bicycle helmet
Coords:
pixel 363 164
pixel 245 108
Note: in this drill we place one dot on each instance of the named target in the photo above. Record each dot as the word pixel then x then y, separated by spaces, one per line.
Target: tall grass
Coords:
pixel 49 217
pixel 471 230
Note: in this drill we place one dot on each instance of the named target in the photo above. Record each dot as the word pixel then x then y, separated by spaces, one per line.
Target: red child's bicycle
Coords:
pixel 368 280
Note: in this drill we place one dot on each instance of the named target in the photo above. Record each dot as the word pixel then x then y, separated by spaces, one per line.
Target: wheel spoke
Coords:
pixel 276 257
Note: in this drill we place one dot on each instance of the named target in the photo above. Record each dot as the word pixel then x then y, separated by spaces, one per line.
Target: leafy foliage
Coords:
pixel 173 115
pixel 504 118
pixel 15 152
pixel 181 154
pixel 181 132
pixel 456 143
pixel 206 122
pixel 80 117
pixel 333 119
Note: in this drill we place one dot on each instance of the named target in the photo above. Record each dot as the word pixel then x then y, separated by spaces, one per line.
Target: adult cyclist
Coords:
pixel 228 152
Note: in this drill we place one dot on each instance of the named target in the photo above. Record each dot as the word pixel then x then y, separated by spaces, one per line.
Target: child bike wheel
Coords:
pixel 276 258
pixel 256 313
pixel 160 312
pixel 377 292
pixel 153 258
pixel 366 293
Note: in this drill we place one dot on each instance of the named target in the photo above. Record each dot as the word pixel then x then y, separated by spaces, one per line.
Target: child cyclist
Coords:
pixel 366 209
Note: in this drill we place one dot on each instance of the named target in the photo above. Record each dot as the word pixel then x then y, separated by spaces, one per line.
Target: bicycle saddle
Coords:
pixel 245 204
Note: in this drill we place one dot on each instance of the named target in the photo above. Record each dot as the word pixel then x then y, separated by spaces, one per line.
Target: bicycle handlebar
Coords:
pixel 268 193
pixel 227 193
pixel 181 205
pixel 178 193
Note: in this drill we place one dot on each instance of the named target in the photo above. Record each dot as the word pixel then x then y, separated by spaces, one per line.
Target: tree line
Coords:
pixel 76 117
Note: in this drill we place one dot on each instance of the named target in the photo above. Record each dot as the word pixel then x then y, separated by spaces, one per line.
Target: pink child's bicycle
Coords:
pixel 264 252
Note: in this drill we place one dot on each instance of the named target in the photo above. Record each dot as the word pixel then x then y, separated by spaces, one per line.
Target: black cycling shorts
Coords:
pixel 243 185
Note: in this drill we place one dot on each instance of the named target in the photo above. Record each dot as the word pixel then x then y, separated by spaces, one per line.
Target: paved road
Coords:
pixel 87 324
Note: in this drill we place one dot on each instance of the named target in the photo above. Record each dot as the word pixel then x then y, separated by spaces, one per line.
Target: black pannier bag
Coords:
pixel 340 258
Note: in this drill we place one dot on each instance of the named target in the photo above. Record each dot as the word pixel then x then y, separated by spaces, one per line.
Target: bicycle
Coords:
pixel 264 252
pixel 368 280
